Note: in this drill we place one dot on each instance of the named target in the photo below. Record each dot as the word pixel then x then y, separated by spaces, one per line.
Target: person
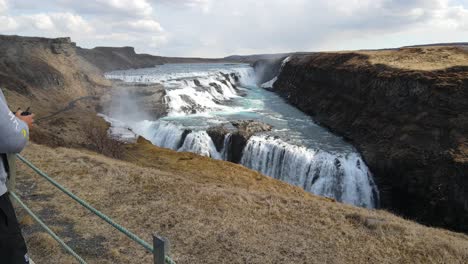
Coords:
pixel 14 134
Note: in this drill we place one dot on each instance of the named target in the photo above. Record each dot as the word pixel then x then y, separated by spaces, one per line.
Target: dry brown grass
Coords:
pixel 421 58
pixel 212 212
pixel 98 139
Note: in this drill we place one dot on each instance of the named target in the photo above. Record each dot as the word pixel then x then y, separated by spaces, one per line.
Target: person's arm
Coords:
pixel 14 133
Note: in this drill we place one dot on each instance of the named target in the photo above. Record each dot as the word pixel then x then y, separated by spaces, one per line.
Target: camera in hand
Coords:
pixel 25 113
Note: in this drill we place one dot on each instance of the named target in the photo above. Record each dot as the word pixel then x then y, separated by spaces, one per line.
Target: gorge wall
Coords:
pixel 410 125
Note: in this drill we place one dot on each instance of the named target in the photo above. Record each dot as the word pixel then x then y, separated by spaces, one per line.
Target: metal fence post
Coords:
pixel 12 173
pixel 160 249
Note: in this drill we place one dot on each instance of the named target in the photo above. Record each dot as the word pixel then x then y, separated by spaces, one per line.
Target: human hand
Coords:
pixel 28 119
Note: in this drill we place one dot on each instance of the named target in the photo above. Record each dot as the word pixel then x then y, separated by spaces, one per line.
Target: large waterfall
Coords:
pixel 344 177
pixel 296 151
pixel 194 92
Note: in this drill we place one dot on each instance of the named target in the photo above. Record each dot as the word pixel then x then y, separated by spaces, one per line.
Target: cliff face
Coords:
pixel 60 86
pixel 411 126
pixel 40 71
pixel 123 58
pixel 267 69
pixel 109 58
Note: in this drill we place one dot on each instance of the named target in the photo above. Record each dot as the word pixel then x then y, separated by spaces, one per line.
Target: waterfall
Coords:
pixel 344 177
pixel 167 135
pixel 160 133
pixel 270 83
pixel 200 142
pixel 199 96
pixel 225 153
pixel 195 92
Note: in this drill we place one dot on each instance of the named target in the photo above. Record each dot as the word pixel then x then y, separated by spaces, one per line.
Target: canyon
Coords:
pixel 405 111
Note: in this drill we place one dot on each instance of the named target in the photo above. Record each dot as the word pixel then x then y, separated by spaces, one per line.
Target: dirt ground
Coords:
pixel 212 212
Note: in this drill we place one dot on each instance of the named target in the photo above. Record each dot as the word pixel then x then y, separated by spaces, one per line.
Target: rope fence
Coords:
pixel 159 244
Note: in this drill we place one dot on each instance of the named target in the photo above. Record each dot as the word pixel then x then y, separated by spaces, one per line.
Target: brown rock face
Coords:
pixel 411 126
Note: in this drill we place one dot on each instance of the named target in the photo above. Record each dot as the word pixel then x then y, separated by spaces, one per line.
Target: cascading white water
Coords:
pixel 344 177
pixel 160 133
pixel 200 95
pixel 270 83
pixel 168 135
pixel 226 147
pixel 194 92
pixel 200 142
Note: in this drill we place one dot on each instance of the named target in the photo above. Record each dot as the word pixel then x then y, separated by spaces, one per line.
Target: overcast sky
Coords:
pixel 217 28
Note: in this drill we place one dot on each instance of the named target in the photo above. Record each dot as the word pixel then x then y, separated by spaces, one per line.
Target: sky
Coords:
pixel 218 28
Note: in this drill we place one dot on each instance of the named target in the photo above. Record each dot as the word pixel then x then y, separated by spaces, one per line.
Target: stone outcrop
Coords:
pixel 411 127
pixel 241 131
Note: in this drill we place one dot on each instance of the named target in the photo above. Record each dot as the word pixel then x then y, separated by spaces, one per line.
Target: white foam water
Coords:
pixel 167 135
pixel 160 133
pixel 344 177
pixel 200 142
pixel 193 92
pixel 269 84
pixel 226 147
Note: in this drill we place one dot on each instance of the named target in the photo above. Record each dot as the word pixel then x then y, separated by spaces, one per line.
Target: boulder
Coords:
pixel 241 131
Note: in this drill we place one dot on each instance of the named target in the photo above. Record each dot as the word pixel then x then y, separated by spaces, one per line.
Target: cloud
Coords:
pixel 145 25
pixel 277 25
pixel 53 23
pixel 127 8
pixel 136 7
pixel 3 6
pixel 197 4
pixel 96 23
pixel 223 27
pixel 8 24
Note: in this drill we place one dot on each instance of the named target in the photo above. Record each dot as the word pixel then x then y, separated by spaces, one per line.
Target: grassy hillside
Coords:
pixel 212 212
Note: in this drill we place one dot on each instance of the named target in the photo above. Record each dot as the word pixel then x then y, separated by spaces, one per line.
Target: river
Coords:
pixel 297 150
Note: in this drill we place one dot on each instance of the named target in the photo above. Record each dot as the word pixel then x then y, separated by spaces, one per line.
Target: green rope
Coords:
pixel 47 229
pixel 104 217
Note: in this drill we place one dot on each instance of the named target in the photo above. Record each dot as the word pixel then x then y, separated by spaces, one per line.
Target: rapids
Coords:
pixel 297 150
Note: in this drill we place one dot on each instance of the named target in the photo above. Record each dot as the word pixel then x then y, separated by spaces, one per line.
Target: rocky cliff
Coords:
pixel 122 58
pixel 42 69
pixel 60 86
pixel 407 113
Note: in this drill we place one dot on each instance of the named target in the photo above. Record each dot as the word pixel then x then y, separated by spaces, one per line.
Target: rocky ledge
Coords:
pixel 241 131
